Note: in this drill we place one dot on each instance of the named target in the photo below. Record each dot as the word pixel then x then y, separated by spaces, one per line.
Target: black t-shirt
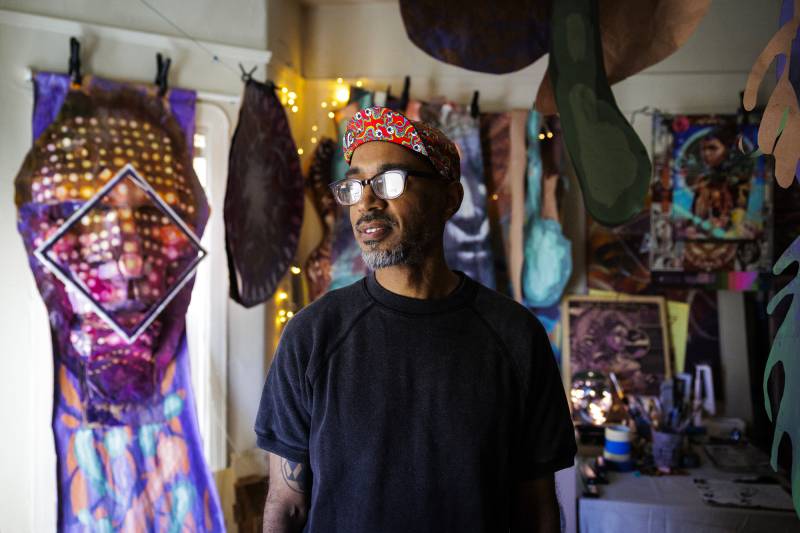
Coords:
pixel 415 415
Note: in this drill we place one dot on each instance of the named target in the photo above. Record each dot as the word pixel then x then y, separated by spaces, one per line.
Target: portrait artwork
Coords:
pixel 626 335
pixel 711 203
pixel 110 212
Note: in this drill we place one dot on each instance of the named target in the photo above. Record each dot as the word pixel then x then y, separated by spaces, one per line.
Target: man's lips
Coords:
pixel 374 231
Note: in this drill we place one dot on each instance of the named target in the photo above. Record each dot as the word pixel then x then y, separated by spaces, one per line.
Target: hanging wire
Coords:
pixel 214 57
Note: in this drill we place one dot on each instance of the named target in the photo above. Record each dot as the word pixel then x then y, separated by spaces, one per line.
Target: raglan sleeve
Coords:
pixel 548 435
pixel 284 413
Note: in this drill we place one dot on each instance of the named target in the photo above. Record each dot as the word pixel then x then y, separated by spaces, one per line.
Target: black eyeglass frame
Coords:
pixel 369 181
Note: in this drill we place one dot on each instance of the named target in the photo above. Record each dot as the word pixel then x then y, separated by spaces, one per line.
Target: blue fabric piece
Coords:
pixel 548 254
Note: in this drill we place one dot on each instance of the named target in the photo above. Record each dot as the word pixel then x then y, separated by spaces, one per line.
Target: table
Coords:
pixel 667 504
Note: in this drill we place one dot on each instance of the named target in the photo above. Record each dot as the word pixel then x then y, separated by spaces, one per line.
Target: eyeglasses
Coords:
pixel 387 185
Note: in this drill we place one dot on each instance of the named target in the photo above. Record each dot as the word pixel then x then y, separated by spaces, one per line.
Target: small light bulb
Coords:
pixel 283 294
pixel 339 80
pixel 294 109
pixel 292 95
pixel 282 312
pixel 359 83
pixel 323 105
pixel 343 94
pixel 290 101
pixel 495 197
pixel 313 140
pixel 295 270
pixel 299 151
pixel 541 136
pixel 282 319
pixel 289 314
pixel 331 115
pixel 314 127
pixel 549 134
pixel 284 90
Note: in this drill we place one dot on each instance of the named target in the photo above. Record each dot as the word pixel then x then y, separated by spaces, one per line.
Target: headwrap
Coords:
pixel 383 124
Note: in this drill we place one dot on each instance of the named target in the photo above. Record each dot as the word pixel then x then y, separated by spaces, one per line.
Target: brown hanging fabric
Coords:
pixel 264 197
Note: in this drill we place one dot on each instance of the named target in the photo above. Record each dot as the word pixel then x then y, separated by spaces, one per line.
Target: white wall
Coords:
pixel 368 41
pixel 26 381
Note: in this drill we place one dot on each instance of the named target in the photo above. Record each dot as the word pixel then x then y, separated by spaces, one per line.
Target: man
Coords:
pixel 416 399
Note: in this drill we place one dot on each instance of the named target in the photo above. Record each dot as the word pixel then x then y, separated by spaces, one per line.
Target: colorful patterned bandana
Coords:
pixel 383 124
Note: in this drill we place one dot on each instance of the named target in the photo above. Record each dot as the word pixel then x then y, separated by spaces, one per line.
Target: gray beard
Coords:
pixel 376 259
pixel 406 253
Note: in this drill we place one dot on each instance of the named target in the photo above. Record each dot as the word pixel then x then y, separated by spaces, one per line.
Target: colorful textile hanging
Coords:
pixel 347 266
pixel 264 198
pixel 467 243
pixel 548 254
pixel 318 264
pixel 110 212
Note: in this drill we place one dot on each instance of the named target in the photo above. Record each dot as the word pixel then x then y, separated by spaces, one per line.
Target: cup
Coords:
pixel 667 449
pixel 617 448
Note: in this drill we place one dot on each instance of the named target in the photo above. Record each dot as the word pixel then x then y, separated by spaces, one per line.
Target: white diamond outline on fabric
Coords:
pixel 70 281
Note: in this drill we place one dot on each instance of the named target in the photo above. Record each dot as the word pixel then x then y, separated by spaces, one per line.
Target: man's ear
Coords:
pixel 453 198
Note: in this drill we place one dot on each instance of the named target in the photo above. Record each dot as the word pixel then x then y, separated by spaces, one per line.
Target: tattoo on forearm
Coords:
pixel 296 475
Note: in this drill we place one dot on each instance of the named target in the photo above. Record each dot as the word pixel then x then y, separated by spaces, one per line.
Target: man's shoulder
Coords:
pixel 331 310
pixel 515 325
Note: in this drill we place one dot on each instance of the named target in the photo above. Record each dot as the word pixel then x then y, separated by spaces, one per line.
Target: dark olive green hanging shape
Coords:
pixel 609 158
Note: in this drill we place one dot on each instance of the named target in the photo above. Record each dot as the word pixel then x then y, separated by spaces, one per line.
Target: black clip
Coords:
pixel 75 74
pixel 406 89
pixel 162 72
pixel 474 110
pixel 247 75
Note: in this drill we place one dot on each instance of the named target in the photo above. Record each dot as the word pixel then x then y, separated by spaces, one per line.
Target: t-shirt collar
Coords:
pixel 461 295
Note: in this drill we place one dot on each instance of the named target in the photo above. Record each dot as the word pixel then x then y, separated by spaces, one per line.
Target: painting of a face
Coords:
pixel 126 251
pixel 713 152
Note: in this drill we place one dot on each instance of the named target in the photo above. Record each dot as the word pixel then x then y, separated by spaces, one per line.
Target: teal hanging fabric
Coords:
pixel 548 254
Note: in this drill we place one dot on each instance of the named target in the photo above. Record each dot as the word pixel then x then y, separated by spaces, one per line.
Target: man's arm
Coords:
pixel 536 507
pixel 286 508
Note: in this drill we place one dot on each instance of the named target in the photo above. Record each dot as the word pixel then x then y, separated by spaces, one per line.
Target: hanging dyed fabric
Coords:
pixel 548 254
pixel 110 212
pixel 346 264
pixel 504 156
pixel 318 264
pixel 264 197
pixel 467 243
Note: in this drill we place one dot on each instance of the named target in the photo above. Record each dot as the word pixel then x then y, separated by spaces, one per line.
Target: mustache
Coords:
pixel 372 217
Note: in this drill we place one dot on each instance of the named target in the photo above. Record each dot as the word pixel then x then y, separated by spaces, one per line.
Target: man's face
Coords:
pixel 410 227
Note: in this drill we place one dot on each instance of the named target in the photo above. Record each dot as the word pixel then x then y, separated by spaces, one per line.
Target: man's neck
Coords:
pixel 432 279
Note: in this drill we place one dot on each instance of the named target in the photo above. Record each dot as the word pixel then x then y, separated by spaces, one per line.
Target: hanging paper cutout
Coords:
pixel 712 207
pixel 128 450
pixel 548 254
pixel 635 35
pixel 507 35
pixel 264 197
pixel 779 133
pixel 610 161
pixel 318 264
pixel 785 350
pixel 494 37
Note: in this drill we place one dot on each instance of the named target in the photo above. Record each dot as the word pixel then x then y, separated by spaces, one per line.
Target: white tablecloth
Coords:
pixel 672 504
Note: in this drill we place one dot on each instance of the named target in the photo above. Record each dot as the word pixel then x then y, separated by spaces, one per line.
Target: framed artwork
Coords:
pixel 623 334
pixel 711 207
